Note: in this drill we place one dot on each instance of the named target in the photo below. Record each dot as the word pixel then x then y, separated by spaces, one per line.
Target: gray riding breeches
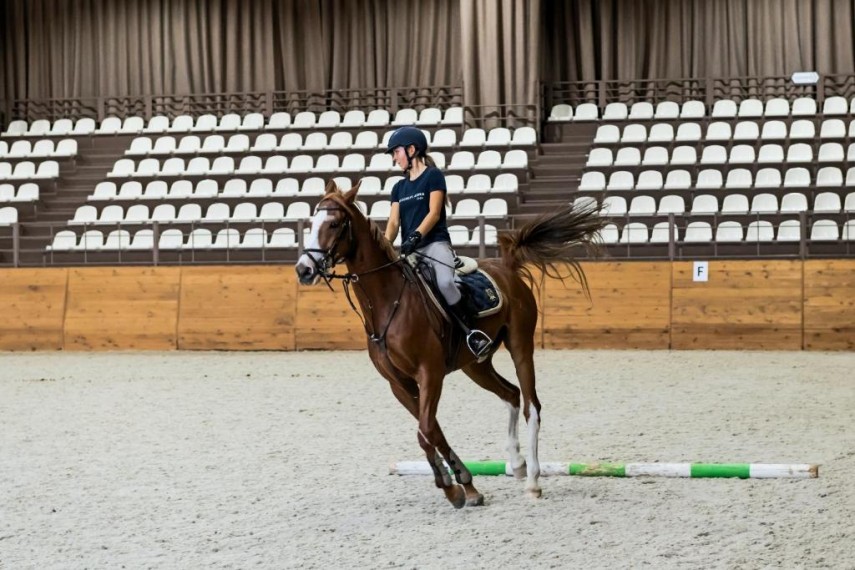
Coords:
pixel 441 257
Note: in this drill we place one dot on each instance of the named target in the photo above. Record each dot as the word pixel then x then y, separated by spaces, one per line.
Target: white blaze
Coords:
pixel 318 220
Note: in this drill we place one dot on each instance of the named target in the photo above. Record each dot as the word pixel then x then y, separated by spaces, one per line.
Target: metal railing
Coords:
pixel 511 116
pixel 37 245
pixel 17 250
pixel 757 236
pixel 171 105
pixel 598 92
pixel 708 90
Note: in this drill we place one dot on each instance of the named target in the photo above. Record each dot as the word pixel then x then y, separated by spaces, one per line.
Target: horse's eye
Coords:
pixel 334 224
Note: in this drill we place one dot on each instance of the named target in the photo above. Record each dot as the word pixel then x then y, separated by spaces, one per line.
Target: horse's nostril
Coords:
pixel 304 272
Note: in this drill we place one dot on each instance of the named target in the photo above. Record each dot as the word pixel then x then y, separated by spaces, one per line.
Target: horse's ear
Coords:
pixel 350 195
pixel 331 187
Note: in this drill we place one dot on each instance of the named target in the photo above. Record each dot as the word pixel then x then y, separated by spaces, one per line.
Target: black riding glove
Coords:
pixel 411 243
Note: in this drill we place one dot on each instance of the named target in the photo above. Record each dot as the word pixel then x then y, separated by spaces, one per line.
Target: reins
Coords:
pixel 353 278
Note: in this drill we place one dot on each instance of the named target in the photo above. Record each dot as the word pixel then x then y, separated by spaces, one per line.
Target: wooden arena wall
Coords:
pixel 745 304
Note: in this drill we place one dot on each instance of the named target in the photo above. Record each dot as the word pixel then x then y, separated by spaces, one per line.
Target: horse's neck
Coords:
pixel 383 292
pixel 377 283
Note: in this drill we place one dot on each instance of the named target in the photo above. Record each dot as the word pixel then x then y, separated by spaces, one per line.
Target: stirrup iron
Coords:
pixel 477 334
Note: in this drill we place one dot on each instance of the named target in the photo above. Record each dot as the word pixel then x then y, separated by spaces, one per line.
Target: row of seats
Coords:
pixel 727 232
pixel 234 122
pixel 43 128
pixel 634 232
pixel 707 204
pixel 208 188
pixel 27 170
pixel 711 178
pixel 723 108
pixel 226 238
pixel 191 213
pixel 318 141
pixel 720 131
pixel 271 211
pixel 718 154
pixel 265 142
pixel 173 239
pixel 28 192
pixel 304 163
pixel 287 187
pixel 40 149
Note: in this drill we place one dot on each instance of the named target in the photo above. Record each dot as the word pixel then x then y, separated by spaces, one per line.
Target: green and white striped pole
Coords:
pixel 692 470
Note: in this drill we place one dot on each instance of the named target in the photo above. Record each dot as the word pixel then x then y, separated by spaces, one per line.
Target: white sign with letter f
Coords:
pixel 700 271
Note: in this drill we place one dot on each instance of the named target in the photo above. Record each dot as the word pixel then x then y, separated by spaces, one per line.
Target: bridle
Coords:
pixel 329 260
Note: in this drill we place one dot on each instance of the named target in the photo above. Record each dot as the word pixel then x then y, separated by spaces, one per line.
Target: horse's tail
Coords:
pixel 550 243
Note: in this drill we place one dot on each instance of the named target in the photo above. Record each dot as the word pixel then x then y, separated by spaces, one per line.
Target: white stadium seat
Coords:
pixel 561 112
pixel 634 232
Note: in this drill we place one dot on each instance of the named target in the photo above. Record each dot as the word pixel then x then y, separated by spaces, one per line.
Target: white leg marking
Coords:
pixel 533 463
pixel 446 476
pixel 516 459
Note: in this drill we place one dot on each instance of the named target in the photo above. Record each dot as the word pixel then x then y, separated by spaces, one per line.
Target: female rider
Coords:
pixel 418 209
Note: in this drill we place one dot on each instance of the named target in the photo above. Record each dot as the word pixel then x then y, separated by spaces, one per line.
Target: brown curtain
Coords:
pixel 393 43
pixel 638 39
pixel 86 48
pixel 501 47
pixel 832 41
pixel 498 50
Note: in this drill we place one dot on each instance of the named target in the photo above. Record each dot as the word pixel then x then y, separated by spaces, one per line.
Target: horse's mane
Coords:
pixel 374 230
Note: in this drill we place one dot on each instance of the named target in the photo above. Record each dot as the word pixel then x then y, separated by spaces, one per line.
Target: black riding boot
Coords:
pixel 477 341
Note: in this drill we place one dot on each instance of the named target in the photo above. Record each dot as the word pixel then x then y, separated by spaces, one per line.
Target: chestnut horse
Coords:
pixel 409 339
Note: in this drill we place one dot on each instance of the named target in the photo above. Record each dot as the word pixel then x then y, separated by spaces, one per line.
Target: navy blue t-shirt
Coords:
pixel 413 197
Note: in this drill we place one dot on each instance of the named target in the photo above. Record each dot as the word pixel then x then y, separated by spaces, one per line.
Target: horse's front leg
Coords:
pixel 407 392
pixel 432 440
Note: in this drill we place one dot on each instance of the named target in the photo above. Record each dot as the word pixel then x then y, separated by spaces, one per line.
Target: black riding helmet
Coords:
pixel 406 136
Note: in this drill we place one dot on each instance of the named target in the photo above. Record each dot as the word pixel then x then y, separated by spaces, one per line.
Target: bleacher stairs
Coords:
pixel 77 178
pixel 554 174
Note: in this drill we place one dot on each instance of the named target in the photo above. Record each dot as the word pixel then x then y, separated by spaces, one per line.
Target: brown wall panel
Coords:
pixel 237 308
pixel 325 320
pixel 753 304
pixel 629 307
pixel 32 305
pixel 829 304
pixel 133 308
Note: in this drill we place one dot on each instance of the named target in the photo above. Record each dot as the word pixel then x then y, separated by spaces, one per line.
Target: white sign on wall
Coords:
pixel 700 271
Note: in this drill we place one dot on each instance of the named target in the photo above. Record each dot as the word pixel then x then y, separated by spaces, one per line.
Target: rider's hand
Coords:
pixel 411 243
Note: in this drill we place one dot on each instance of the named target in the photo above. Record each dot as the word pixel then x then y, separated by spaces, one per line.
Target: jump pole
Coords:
pixel 690 470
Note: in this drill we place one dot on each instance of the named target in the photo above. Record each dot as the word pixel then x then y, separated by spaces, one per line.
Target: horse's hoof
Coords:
pixel 456 496
pixel 475 500
pixel 535 493
pixel 521 471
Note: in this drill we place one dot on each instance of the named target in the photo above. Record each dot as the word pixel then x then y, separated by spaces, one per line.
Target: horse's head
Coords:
pixel 331 240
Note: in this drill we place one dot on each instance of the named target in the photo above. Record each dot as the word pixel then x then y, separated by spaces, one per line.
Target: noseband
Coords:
pixel 325 266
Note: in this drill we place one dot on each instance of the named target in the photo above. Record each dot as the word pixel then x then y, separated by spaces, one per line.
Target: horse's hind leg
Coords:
pixel 485 375
pixel 521 346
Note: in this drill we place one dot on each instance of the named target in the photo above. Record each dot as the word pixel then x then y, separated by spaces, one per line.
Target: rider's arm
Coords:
pixel 394 222
pixel 437 203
